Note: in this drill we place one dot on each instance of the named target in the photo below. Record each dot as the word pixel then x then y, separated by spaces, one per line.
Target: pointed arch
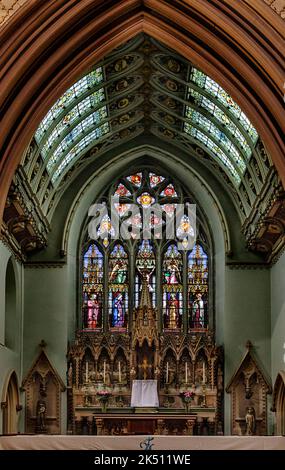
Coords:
pixel 10 305
pixel 172 301
pixel 32 51
pixel 118 295
pixel 279 403
pixel 198 287
pixel 10 404
pixel 145 251
pixel 92 287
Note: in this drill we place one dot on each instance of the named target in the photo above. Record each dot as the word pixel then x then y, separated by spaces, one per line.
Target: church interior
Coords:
pixel 159 105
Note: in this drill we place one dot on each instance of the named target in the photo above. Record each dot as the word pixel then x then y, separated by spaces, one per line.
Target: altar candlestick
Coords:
pixel 204 373
pixel 186 373
pixel 120 377
pixel 86 371
pixel 167 372
pixel 104 372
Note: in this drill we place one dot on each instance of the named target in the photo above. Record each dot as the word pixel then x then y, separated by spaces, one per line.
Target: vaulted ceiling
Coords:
pixel 85 77
pixel 144 87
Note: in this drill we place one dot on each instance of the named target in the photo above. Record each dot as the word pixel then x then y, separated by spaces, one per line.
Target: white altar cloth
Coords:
pixel 144 393
pixel 46 442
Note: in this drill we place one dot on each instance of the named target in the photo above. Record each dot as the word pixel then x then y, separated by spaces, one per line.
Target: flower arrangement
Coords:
pixel 104 394
pixel 188 395
pixel 103 397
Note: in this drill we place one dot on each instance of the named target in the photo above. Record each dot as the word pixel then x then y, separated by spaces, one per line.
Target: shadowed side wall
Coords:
pixel 11 304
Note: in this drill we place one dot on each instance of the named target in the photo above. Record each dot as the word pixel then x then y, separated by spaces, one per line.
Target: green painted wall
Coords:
pixel 247 317
pixel 278 317
pixel 46 317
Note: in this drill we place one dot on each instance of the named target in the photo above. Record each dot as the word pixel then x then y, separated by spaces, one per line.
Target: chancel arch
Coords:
pixel 137 21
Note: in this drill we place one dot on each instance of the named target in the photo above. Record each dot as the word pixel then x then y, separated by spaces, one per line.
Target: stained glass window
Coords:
pixel 155 180
pixel 145 261
pixel 76 150
pixel 118 287
pixel 145 200
pixel 198 288
pixel 216 121
pixel 135 179
pixel 122 191
pixel 217 136
pixel 169 191
pixel 215 90
pixel 217 151
pixel 105 230
pixel 70 126
pixel 122 209
pixel 123 273
pixel 222 117
pixel 60 144
pixel 72 94
pixel 92 286
pixel 172 288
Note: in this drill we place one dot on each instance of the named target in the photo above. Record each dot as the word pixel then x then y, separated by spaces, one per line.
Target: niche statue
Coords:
pixel 41 416
pixel 250 421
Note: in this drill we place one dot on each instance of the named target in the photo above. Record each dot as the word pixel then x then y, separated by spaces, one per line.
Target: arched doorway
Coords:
pixel 279 403
pixel 10 404
pixel 10 306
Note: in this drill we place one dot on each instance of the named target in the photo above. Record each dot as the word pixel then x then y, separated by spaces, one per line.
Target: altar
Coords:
pixel 140 381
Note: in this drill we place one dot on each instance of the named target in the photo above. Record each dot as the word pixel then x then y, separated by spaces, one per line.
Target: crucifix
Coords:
pixel 145 369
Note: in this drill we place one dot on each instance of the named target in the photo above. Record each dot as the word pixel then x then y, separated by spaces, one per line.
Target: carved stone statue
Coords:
pixel 41 416
pixel 133 373
pixel 250 421
pixel 157 373
pixel 69 375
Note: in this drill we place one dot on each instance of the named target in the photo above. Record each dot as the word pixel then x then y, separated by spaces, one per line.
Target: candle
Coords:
pixel 104 372
pixel 86 371
pixel 167 372
pixel 204 373
pixel 120 377
pixel 186 373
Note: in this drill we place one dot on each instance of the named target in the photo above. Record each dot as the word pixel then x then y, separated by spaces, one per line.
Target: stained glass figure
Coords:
pixel 145 260
pixel 118 287
pixel 198 287
pixel 105 230
pixel 136 179
pixel 117 303
pixel 92 287
pixel 172 288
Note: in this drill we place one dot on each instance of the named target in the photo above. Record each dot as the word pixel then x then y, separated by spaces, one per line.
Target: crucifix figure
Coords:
pixel 145 369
